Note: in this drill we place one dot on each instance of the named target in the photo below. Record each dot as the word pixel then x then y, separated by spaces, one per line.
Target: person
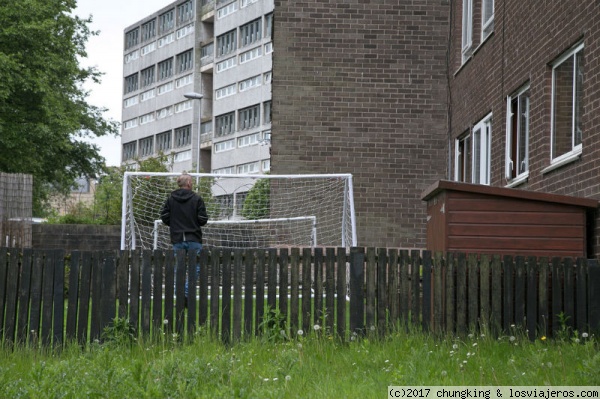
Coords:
pixel 184 212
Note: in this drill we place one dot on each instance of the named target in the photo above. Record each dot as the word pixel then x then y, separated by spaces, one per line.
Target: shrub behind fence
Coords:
pixel 49 296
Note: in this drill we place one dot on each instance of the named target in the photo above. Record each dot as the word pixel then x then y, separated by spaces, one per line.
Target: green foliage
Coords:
pixel 274 326
pixel 119 333
pixel 311 366
pixel 257 203
pixel 44 114
pixel 107 205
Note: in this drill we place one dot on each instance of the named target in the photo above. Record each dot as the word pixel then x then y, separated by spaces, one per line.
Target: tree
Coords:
pixel 258 201
pixel 44 116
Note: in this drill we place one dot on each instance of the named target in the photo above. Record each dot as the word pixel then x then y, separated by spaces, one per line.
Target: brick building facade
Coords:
pixel 526 83
pixel 361 87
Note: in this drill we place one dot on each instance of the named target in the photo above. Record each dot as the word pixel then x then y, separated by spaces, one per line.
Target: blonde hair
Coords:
pixel 184 180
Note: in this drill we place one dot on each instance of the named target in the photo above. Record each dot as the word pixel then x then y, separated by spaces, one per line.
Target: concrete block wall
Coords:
pixel 72 237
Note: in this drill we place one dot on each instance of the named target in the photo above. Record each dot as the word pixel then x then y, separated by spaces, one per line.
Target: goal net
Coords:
pixel 245 211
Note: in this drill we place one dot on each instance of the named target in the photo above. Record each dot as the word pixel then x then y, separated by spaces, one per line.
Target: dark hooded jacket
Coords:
pixel 184 212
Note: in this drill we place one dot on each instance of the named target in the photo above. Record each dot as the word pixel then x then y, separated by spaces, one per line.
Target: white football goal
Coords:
pixel 245 211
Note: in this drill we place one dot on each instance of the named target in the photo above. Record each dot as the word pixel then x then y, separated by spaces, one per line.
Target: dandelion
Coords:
pixel 470 335
pixel 584 335
pixel 576 340
pixel 165 322
pixel 372 328
pixel 316 327
pixel 266 379
pixel 512 338
pixel 300 332
pixel 549 364
pixel 299 345
pixel 444 373
pixel 455 346
pixel 474 343
pixel 288 377
pixel 275 379
pixel 482 335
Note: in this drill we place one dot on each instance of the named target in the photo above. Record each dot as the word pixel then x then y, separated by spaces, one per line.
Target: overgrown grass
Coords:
pixel 311 365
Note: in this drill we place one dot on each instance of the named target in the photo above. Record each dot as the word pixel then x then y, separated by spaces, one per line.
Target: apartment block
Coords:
pixel 197 86
pixel 524 89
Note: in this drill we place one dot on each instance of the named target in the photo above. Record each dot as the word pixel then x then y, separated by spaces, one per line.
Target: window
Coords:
pixel 567 105
pixel 130 124
pixel 473 153
pixel 267 116
pixel 183 136
pixel 247 168
pixel 226 43
pixel 147 146
pixel 269 25
pixel 226 64
pixel 250 32
pixel 225 11
pixel 225 91
pixel 147 76
pixel 163 141
pixel 166 21
pixel 129 102
pixel 183 106
pixel 224 145
pixel 251 139
pixel 184 81
pixel 147 95
pixel 517 134
pixel 208 50
pixel 185 12
pixel 129 151
pixel 167 39
pixel 251 82
pixel 164 112
pixel 487 14
pixel 167 87
pixel 147 118
pixel 467 30
pixel 148 30
pixel 224 124
pixel 249 117
pixel 186 30
pixel 250 54
pixel 131 83
pixel 165 69
pixel 132 38
pixel 185 61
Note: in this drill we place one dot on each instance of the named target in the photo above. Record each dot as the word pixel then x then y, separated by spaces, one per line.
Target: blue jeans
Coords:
pixel 189 246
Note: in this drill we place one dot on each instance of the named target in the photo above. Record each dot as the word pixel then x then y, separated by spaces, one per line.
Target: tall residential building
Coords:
pixel 200 60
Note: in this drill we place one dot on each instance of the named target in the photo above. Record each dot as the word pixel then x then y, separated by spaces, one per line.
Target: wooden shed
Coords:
pixel 475 218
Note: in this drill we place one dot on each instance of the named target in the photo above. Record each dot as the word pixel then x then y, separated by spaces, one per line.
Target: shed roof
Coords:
pixel 442 185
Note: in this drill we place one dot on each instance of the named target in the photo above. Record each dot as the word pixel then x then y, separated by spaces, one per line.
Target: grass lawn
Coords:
pixel 311 365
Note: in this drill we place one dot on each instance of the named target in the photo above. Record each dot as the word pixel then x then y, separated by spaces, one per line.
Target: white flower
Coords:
pixel 165 322
pixel 444 373
pixel 584 335
pixel 288 377
pixel 455 346
pixel 299 345
pixel 372 328
pixel 300 332
pixel 512 338
pixel 316 327
pixel 474 343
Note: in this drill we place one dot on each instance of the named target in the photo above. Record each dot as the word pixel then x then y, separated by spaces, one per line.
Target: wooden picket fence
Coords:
pixel 50 297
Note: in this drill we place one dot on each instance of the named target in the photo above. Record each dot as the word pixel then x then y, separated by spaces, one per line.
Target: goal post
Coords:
pixel 250 210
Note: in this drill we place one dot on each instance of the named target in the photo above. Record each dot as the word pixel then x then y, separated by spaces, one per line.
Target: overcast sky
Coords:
pixel 105 52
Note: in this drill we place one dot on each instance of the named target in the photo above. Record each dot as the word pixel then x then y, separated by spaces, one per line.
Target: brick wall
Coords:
pixel 528 36
pixel 360 87
pixel 76 237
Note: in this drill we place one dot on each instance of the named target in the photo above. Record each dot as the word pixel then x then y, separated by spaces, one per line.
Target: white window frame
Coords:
pixel 515 159
pixel 479 140
pixel 487 25
pixel 576 143
pixel 467 30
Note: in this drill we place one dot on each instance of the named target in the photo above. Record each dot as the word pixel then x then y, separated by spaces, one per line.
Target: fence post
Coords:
pixel 594 294
pixel 357 260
